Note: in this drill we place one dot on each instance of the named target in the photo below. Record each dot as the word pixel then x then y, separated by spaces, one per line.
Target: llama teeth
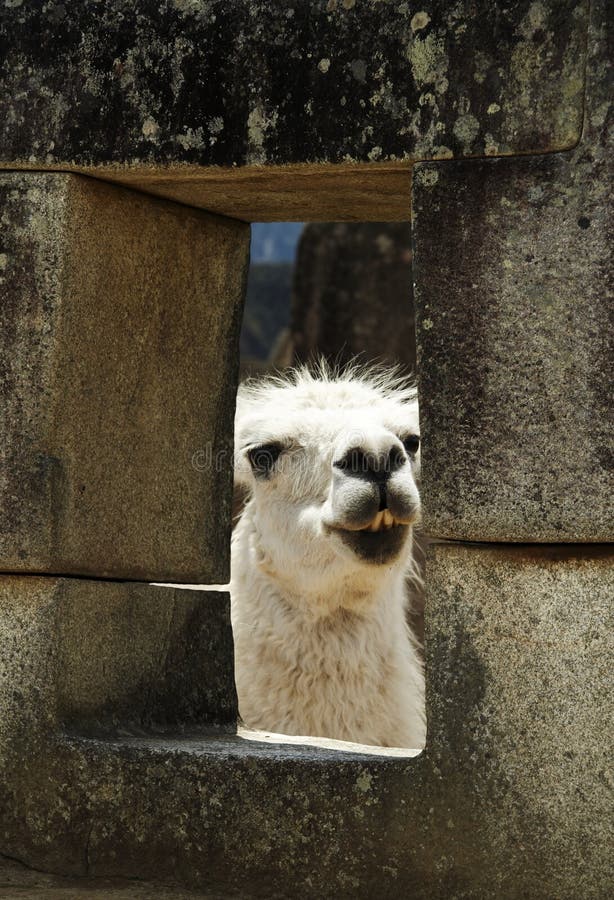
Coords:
pixel 375 523
pixel 383 521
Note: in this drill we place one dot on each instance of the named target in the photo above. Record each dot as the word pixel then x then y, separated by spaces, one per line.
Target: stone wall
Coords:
pixel 352 294
pixel 515 346
pixel 119 757
pixel 235 105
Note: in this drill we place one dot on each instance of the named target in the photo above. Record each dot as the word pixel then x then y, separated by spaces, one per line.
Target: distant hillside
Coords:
pixel 275 241
pixel 267 308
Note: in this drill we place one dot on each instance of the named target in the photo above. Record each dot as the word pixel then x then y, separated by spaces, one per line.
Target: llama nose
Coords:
pixel 371 465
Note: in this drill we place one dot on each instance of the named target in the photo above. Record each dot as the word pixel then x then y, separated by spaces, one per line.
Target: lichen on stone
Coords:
pixel 429 62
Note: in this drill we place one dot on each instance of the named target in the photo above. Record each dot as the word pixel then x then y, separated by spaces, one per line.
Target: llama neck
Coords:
pixel 318 595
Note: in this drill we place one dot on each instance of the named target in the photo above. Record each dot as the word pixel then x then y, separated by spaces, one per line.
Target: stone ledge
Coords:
pixel 248 82
pixel 352 192
pixel 17 882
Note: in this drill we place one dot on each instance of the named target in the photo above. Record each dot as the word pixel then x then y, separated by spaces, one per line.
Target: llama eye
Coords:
pixel 263 458
pixel 411 443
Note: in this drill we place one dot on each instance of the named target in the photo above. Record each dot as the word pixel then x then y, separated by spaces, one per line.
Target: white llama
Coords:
pixel 321 555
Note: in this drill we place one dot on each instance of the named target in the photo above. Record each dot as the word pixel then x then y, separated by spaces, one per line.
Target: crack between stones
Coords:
pixel 86 850
pixel 587 47
pixel 13 573
pixel 122 879
pixel 16 859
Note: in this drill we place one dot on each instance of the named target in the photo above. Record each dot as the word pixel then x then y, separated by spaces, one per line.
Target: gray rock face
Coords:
pixel 113 461
pixel 353 294
pixel 240 82
pixel 519 643
pixel 513 297
pixel 101 657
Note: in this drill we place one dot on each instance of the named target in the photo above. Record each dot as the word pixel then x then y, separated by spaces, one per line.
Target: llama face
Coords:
pixel 331 462
pixel 373 497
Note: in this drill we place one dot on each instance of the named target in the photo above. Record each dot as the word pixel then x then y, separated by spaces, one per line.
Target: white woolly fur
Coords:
pixel 322 645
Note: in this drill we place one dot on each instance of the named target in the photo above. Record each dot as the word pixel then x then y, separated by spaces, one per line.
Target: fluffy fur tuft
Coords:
pixel 303 385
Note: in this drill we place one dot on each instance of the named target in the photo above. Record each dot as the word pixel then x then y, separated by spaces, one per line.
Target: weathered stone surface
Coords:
pixel 510 798
pixel 513 288
pixel 513 291
pixel 344 192
pixel 98 657
pixel 353 294
pixel 248 82
pixel 118 343
pixel 19 883
pixel 519 645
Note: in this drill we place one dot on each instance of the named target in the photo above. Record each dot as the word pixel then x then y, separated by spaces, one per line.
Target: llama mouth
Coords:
pixel 383 521
pixel 378 543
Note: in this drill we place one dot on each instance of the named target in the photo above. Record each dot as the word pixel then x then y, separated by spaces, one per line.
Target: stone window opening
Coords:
pixel 329 303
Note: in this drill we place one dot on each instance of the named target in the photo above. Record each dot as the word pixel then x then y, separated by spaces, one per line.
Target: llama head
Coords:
pixel 331 460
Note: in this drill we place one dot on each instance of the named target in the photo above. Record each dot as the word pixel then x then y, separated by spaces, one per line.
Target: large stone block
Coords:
pixel 118 363
pixel 352 294
pixel 513 286
pixel 106 657
pixel 158 94
pixel 519 655
pixel 513 291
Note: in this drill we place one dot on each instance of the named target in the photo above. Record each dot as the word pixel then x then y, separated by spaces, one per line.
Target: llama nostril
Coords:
pixel 354 461
pixel 383 499
pixel 376 467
